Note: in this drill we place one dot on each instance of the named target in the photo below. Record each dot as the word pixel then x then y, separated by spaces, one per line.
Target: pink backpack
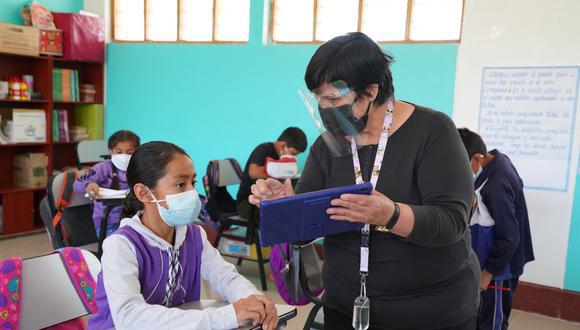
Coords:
pixel 289 263
pixel 11 288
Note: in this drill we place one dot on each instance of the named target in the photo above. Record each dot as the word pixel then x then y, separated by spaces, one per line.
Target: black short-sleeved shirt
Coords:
pixel 257 157
pixel 429 280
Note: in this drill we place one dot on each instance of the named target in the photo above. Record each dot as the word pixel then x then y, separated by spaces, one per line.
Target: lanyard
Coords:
pixel 365 231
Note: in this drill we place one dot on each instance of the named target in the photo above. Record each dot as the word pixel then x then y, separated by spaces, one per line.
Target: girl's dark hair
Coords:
pixel 356 59
pixel 147 165
pixel 123 135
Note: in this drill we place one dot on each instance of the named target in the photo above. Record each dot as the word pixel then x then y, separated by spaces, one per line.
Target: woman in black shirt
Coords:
pixel 422 273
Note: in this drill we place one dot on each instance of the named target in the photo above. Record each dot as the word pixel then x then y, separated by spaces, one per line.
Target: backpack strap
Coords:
pixel 236 167
pixel 10 292
pixel 80 276
pixel 64 199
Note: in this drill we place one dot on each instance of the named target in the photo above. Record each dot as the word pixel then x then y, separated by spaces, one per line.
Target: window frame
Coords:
pixel 407 40
pixel 178 41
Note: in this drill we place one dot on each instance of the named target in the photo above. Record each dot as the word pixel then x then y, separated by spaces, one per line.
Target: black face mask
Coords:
pixel 340 121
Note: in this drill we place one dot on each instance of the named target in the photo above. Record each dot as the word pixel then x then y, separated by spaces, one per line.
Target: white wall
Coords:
pixel 523 33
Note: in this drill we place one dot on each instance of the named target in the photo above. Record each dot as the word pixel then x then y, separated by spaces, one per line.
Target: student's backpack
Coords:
pixel 292 266
pixel 70 220
pixel 220 204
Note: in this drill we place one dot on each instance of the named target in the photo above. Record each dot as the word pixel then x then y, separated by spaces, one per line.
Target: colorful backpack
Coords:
pixel 11 288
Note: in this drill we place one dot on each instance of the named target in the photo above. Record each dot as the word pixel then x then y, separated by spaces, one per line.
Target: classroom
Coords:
pixel 296 164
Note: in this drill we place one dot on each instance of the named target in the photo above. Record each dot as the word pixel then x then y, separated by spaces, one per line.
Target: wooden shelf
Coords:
pixel 21 145
pixel 73 102
pixel 9 190
pixel 21 205
pixel 24 102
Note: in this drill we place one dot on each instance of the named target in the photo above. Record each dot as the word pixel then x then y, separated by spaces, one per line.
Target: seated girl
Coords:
pixel 155 261
pixel 110 173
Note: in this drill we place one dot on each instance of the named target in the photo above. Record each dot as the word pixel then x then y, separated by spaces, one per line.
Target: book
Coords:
pixel 66 85
pixel 57 84
pixel 55 125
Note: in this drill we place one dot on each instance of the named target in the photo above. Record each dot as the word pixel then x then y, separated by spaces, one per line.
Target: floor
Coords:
pixel 33 245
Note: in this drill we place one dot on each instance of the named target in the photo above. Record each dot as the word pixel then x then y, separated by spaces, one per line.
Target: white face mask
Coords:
pixel 121 161
pixel 183 208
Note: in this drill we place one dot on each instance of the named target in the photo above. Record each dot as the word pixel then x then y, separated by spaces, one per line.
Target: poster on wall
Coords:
pixel 528 113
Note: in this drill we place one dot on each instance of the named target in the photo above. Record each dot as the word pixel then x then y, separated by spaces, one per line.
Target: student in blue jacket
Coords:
pixel 500 229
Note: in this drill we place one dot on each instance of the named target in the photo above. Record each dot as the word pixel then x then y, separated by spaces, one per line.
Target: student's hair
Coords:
pixel 473 142
pixel 147 165
pixel 123 135
pixel 294 138
pixel 356 59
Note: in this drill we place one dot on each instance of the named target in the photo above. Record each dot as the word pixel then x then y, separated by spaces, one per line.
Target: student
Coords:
pixel 155 261
pixel 110 174
pixel 291 142
pixel 500 229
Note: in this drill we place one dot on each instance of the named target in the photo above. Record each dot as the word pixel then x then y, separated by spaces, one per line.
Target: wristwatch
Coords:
pixel 392 221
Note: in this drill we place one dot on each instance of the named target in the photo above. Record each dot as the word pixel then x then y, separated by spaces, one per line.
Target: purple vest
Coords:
pixel 153 274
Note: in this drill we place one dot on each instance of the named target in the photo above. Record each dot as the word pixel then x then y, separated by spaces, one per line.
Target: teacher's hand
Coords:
pixel 374 209
pixel 270 189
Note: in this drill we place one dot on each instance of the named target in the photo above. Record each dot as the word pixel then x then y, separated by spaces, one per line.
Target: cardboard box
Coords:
pixel 51 42
pixel 29 126
pixel 30 170
pixel 19 39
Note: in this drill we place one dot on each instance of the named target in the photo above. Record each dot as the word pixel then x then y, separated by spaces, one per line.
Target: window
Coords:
pixel 181 20
pixel 300 21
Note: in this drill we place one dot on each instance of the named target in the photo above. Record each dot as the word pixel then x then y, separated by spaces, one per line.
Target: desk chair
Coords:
pixel 48 296
pixel 221 207
pixel 90 152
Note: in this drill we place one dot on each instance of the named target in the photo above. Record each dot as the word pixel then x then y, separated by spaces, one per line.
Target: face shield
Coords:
pixel 332 113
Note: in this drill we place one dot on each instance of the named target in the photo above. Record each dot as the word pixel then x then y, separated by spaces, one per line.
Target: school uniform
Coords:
pixel 500 231
pixel 143 278
pixel 106 175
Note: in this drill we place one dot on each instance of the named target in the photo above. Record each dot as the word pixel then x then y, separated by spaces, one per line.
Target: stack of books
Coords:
pixel 65 85
pixel 79 133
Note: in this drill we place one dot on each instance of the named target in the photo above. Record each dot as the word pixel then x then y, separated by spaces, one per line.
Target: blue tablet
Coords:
pixel 303 217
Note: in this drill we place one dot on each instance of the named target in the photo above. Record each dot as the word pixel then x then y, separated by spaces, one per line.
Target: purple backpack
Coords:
pixel 289 262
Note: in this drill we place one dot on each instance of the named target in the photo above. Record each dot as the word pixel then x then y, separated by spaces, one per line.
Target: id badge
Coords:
pixel 361 313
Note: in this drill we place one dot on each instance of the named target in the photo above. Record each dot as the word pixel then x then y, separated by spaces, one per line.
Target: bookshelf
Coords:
pixel 20 211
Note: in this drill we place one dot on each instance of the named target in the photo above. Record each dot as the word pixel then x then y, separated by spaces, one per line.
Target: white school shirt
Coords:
pixel 128 307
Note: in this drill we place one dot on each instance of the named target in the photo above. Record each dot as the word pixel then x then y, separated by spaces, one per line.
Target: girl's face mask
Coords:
pixel 183 208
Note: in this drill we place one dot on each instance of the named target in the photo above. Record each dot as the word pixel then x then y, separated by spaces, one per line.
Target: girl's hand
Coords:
pixel 374 209
pixel 270 189
pixel 250 308
pixel 92 190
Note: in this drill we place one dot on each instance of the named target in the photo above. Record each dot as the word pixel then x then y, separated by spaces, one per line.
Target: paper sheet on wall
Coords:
pixel 528 114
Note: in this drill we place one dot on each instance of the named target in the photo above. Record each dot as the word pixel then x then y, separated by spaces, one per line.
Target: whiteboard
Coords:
pixel 528 113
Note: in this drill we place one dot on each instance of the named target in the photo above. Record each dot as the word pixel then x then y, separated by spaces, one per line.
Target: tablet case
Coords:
pixel 303 217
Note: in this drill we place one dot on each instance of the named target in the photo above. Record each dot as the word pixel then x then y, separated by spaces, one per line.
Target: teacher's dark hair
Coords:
pixel 356 59
pixel 147 165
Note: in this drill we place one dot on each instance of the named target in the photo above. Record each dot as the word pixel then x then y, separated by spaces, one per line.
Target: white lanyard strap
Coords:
pixel 365 231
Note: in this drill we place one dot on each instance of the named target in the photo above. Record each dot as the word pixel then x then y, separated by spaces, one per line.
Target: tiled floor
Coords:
pixel 29 246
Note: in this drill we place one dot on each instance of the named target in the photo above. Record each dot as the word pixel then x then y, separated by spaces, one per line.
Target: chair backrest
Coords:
pixel 48 295
pixel 92 151
pixel 228 175
pixel 55 186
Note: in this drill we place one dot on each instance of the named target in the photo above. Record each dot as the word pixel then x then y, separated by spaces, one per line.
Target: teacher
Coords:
pixel 413 256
